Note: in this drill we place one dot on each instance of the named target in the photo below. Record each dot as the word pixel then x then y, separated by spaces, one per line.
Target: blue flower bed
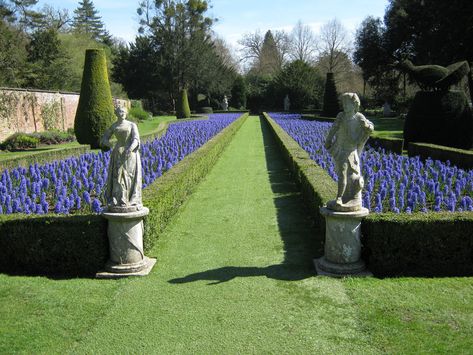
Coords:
pixel 393 183
pixel 76 184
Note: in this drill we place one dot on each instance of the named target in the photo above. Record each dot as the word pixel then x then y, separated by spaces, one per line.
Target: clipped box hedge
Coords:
pixel 419 244
pixel 77 245
pixel 43 157
pixel 395 145
pixel 459 157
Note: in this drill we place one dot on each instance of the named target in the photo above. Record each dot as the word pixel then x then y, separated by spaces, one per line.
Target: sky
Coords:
pixel 237 17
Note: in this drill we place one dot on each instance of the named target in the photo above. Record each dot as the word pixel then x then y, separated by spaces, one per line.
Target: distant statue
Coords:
pixel 345 142
pixel 287 103
pixel 225 103
pixel 123 186
pixel 387 111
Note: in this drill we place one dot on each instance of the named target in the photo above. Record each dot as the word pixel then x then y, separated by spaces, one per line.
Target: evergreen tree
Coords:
pixel 269 63
pixel 183 110
pixel 86 20
pixel 95 109
pixel 239 90
pixel 331 106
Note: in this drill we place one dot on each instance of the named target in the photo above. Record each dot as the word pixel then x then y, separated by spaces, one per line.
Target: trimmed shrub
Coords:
pixel 78 245
pixel 63 245
pixel 43 157
pixel 95 112
pixel 395 145
pixel 183 110
pixel 206 109
pixel 331 106
pixel 419 244
pixel 459 157
pixel 440 117
pixel 19 141
pixel 422 244
pixel 239 91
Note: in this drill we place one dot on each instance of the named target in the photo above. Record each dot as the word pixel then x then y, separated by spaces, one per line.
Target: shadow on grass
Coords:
pixel 296 228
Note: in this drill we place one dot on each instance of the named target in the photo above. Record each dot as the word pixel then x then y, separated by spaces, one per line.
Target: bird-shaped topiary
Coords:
pixel 435 77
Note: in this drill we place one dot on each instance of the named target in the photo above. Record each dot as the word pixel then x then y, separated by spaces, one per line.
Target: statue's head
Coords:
pixel 350 100
pixel 120 112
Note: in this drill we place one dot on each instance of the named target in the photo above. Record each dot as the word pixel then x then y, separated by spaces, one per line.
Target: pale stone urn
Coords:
pixel 345 141
pixel 124 211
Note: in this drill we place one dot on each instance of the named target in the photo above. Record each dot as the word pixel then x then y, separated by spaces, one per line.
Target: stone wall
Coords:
pixel 35 111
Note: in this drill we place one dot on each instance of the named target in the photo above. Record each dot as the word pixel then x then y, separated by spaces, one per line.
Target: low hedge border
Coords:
pixel 43 157
pixel 395 145
pixel 459 157
pixel 63 153
pixel 418 244
pixel 78 245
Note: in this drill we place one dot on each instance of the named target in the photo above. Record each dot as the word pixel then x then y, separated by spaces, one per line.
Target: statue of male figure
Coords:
pixel 345 142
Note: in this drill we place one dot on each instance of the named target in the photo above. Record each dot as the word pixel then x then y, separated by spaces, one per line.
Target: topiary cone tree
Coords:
pixel 183 110
pixel 95 112
pixel 331 106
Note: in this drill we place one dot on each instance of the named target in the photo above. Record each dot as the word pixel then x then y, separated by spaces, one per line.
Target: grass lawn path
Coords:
pixel 235 276
pixel 234 272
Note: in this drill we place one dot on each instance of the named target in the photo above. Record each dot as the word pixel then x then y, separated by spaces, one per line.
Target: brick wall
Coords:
pixel 36 111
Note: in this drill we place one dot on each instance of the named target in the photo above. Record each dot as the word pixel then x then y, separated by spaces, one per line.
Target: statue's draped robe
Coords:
pixel 123 187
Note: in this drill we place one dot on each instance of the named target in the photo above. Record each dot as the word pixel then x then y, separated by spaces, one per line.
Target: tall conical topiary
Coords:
pixel 331 106
pixel 95 111
pixel 183 110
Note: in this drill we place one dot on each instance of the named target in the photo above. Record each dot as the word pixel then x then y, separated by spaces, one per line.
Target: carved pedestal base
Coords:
pixel 125 236
pixel 342 244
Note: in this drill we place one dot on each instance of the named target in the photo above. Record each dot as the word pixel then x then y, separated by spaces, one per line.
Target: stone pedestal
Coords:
pixel 125 236
pixel 342 244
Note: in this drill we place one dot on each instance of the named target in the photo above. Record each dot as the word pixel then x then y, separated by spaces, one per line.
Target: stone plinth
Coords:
pixel 125 236
pixel 342 244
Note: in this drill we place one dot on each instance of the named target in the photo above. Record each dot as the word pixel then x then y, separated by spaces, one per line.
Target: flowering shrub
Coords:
pixel 77 183
pixel 393 183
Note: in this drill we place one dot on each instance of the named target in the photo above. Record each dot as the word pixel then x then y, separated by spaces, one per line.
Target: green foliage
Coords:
pixel 259 93
pixel 13 55
pixel 138 114
pixel 43 157
pixel 19 141
pixel 51 115
pixel 78 245
pixel 301 82
pixel 182 109
pixel 239 92
pixel 66 245
pixel 459 157
pixel 87 21
pixel 54 137
pixel 331 106
pixel 95 112
pixel 440 117
pixel 422 244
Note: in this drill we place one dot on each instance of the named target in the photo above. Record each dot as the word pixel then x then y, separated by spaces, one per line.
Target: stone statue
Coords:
pixel 287 103
pixel 125 211
pixel 225 103
pixel 123 186
pixel 345 142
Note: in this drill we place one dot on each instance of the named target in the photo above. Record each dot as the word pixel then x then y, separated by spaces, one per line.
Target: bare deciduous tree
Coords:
pixel 303 43
pixel 334 44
